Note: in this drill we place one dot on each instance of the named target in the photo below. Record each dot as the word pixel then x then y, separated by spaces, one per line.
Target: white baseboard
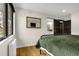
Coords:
pixel 74 33
pixel 26 45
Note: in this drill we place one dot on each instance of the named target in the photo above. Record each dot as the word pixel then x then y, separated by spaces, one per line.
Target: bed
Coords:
pixel 60 45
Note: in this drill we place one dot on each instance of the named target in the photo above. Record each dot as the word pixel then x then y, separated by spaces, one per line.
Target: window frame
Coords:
pixel 6 20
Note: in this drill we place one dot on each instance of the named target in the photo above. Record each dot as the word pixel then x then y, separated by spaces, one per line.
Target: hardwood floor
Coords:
pixel 30 51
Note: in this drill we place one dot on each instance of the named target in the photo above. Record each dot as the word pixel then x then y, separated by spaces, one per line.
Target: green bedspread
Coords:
pixel 63 45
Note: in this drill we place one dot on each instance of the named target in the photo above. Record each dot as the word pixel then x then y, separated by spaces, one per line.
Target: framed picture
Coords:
pixel 33 22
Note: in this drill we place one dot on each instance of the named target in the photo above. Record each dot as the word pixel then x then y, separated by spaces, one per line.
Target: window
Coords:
pixel 9 20
pixel 2 21
pixel 6 20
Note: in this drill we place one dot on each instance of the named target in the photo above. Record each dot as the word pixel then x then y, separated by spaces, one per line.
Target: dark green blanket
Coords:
pixel 63 45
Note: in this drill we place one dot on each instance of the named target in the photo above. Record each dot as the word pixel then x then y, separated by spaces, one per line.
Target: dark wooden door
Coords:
pixel 62 27
pixel 57 30
pixel 67 27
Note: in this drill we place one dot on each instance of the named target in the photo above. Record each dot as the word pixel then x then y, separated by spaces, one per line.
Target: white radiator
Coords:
pixel 12 48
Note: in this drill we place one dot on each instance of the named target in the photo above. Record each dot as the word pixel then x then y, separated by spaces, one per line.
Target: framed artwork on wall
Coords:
pixel 33 22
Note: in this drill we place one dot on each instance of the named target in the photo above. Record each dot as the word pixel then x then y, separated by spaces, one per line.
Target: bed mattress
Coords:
pixel 63 45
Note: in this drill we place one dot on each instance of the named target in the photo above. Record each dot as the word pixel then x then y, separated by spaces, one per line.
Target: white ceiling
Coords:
pixel 50 8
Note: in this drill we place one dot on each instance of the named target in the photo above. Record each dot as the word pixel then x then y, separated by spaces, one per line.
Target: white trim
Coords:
pixel 10 37
pixel 46 51
pixel 14 23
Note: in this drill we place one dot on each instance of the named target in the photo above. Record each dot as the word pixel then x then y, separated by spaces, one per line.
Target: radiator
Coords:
pixel 12 48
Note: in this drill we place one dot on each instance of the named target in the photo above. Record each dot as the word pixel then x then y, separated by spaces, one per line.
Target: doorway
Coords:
pixel 62 27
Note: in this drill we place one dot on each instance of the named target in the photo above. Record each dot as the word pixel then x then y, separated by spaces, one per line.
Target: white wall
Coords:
pixel 26 36
pixel 75 24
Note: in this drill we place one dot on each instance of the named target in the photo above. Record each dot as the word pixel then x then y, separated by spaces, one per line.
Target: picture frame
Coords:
pixel 33 22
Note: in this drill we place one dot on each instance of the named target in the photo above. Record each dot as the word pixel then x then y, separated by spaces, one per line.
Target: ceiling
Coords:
pixel 50 8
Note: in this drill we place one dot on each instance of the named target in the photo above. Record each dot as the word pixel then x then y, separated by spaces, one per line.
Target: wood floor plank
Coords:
pixel 30 51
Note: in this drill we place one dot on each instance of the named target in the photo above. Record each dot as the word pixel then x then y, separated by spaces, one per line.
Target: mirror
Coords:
pixel 49 24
